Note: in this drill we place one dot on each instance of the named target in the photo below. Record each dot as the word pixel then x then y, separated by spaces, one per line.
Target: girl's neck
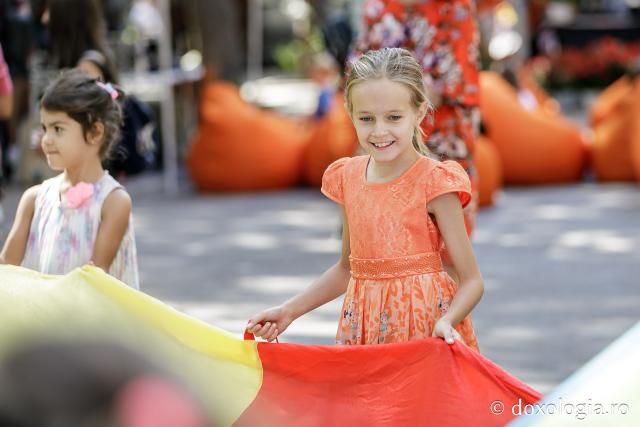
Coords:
pixel 388 171
pixel 90 172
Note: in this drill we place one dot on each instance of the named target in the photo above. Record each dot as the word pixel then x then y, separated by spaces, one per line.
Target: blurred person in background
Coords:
pixel 137 147
pixel 324 71
pixel 91 384
pixel 16 29
pixel 6 89
pixel 6 105
pixel 73 27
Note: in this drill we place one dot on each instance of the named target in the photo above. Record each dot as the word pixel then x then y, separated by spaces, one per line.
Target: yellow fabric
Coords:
pixel 225 372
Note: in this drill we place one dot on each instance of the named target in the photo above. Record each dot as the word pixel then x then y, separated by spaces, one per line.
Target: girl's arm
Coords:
pixel 333 283
pixel 16 243
pixel 448 212
pixel 114 221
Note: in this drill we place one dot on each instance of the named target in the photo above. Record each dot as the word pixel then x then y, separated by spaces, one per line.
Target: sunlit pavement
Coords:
pixel 561 266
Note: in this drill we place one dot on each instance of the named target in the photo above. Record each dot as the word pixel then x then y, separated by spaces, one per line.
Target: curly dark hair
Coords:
pixel 87 101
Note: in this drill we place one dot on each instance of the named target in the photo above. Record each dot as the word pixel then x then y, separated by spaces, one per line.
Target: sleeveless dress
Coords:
pixel 398 289
pixel 61 238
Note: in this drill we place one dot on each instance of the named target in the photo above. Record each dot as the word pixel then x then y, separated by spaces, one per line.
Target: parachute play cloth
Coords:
pixel 245 383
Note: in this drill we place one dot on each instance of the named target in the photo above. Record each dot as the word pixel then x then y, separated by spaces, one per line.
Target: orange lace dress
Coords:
pixel 398 289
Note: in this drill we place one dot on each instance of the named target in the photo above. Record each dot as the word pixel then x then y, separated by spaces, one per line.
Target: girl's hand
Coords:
pixel 443 329
pixel 270 323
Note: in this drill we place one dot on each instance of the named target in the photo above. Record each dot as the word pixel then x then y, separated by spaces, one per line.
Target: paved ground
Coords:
pixel 561 265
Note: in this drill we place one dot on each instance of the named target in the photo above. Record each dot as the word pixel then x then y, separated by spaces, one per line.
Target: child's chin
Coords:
pixel 56 167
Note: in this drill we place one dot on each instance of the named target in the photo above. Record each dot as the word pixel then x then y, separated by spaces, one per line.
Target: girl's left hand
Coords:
pixel 443 329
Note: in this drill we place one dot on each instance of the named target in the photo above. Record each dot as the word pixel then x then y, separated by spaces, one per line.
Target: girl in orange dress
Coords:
pixel 399 207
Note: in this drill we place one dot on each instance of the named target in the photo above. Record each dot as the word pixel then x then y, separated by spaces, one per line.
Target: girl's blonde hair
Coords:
pixel 397 65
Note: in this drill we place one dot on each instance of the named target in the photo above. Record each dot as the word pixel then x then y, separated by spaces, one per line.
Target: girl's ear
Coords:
pixel 96 135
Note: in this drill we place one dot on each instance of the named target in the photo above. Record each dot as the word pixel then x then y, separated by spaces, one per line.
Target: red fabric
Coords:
pixel 416 383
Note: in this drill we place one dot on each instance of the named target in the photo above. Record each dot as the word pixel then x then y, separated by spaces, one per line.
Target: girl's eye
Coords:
pixel 395 118
pixel 57 129
pixel 365 119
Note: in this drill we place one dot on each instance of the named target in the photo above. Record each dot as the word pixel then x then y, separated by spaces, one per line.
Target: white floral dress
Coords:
pixel 62 238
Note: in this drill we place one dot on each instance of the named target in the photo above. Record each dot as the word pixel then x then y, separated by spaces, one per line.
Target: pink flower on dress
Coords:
pixel 78 194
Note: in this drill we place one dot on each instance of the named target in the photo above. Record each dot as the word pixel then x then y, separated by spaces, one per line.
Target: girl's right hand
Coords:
pixel 270 323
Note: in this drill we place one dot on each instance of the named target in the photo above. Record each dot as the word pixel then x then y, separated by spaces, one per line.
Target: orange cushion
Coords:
pixel 535 147
pixel 608 100
pixel 331 138
pixel 487 161
pixel 546 103
pixel 635 134
pixel 611 150
pixel 241 147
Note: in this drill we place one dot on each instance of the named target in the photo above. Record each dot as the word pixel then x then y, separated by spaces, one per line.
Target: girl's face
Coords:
pixel 384 118
pixel 64 142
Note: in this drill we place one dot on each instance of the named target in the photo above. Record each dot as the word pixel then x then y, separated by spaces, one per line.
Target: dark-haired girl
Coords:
pixel 82 215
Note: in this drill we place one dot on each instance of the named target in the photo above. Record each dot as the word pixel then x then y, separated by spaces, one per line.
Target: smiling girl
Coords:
pixel 399 207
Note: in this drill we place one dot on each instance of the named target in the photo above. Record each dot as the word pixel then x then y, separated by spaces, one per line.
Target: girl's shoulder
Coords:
pixel 338 174
pixel 106 186
pixel 48 189
pixel 446 176
pixel 113 195
pixel 445 170
pixel 345 166
pixel 50 182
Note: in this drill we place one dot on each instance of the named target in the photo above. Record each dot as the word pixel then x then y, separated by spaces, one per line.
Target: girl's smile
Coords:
pixel 382 145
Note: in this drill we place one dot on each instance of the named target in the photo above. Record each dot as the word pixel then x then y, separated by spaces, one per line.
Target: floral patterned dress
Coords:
pixel 62 237
pixel 443 36
pixel 398 289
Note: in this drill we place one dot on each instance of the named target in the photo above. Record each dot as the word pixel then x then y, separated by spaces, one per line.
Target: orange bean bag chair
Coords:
pixel 487 161
pixel 611 152
pixel 635 132
pixel 546 103
pixel 331 138
pixel 609 99
pixel 239 147
pixel 535 148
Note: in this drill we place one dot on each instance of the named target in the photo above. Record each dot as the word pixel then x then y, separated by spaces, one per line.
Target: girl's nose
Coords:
pixel 46 139
pixel 379 128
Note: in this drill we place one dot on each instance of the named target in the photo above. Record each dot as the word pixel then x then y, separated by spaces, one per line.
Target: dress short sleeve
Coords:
pixel 449 177
pixel 333 179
